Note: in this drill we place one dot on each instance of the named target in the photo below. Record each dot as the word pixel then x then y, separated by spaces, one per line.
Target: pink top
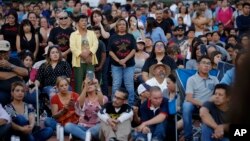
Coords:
pixel 224 16
pixel 88 112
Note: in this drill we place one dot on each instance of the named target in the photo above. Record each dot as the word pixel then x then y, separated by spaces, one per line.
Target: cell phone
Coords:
pixel 203 49
pixel 90 74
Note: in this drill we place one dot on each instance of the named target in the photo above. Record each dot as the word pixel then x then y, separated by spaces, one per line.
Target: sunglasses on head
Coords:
pixel 63 18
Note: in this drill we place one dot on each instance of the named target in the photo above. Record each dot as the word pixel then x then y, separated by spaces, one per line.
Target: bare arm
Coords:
pixel 3 121
pixel 82 97
pixel 104 33
pixel 1 37
pixel 57 114
pixel 6 75
pixel 37 45
pixel 145 76
pixel 18 46
pixel 189 98
pixel 112 54
pixel 32 119
pixel 207 118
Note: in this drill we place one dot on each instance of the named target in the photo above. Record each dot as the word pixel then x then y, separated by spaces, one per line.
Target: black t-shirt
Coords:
pixel 218 115
pixel 166 25
pixel 101 49
pixel 60 36
pixel 166 60
pixel 9 33
pixel 121 46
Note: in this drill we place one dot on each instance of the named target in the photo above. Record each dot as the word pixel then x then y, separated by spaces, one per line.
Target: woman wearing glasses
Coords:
pixel 158 55
pixel 87 106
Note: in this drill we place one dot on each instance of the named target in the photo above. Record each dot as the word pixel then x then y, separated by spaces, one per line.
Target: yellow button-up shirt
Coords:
pixel 76 47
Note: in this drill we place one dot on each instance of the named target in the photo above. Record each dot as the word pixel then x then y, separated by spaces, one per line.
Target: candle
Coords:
pixel 88 136
pixel 57 131
pixel 61 137
pixel 149 135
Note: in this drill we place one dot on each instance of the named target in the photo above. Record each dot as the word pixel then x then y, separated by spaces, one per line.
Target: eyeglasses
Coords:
pixel 119 98
pixel 205 63
pixel 63 18
pixel 159 46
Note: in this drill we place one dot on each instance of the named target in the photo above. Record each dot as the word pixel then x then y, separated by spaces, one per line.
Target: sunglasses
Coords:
pixel 63 18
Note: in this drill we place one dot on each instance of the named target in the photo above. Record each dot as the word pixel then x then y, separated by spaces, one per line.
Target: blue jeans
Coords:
pixel 158 132
pixel 50 122
pixel 4 130
pixel 207 134
pixel 5 98
pixel 40 135
pixel 105 75
pixel 80 131
pixel 120 74
pixel 49 90
pixel 31 98
pixel 188 109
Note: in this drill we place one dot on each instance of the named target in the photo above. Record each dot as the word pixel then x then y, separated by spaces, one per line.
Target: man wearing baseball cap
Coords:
pixel 11 70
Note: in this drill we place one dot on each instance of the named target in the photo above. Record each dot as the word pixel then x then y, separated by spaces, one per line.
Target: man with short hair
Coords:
pixel 243 21
pixel 199 89
pixel 60 35
pixel 116 117
pixel 11 70
pixel 165 24
pixel 213 114
pixel 154 106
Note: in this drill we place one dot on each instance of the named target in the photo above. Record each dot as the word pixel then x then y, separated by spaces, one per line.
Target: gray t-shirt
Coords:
pixel 202 89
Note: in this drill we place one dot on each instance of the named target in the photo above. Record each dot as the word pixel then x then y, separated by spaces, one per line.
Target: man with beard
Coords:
pixel 180 37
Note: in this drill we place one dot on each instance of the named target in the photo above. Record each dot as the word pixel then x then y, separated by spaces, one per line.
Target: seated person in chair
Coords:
pixel 116 117
pixel 199 89
pixel 213 115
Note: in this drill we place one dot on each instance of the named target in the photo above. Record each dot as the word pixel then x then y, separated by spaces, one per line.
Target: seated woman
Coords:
pixel 87 106
pixel 23 117
pixel 53 67
pixel 216 57
pixel 62 105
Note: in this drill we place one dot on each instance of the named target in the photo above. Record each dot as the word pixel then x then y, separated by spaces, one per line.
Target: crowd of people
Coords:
pixel 111 69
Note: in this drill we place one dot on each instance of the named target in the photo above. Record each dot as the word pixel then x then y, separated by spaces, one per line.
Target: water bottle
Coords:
pixel 43 116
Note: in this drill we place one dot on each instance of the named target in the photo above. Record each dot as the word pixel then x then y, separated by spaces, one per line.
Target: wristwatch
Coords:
pixel 12 67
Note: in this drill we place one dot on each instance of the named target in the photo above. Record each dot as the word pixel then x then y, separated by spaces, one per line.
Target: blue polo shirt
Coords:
pixel 148 113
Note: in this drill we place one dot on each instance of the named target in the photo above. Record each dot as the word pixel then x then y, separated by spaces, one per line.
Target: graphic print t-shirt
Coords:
pixel 60 37
pixel 122 45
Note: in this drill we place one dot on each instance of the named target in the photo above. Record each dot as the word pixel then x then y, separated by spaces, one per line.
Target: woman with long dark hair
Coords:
pixel 154 32
pixel 133 27
pixel 9 31
pixel 27 39
pixel 96 19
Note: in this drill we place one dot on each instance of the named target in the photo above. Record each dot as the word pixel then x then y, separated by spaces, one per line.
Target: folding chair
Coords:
pixel 223 67
pixel 182 76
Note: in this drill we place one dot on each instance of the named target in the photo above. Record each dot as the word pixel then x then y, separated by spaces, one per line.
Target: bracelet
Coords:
pixel 12 67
